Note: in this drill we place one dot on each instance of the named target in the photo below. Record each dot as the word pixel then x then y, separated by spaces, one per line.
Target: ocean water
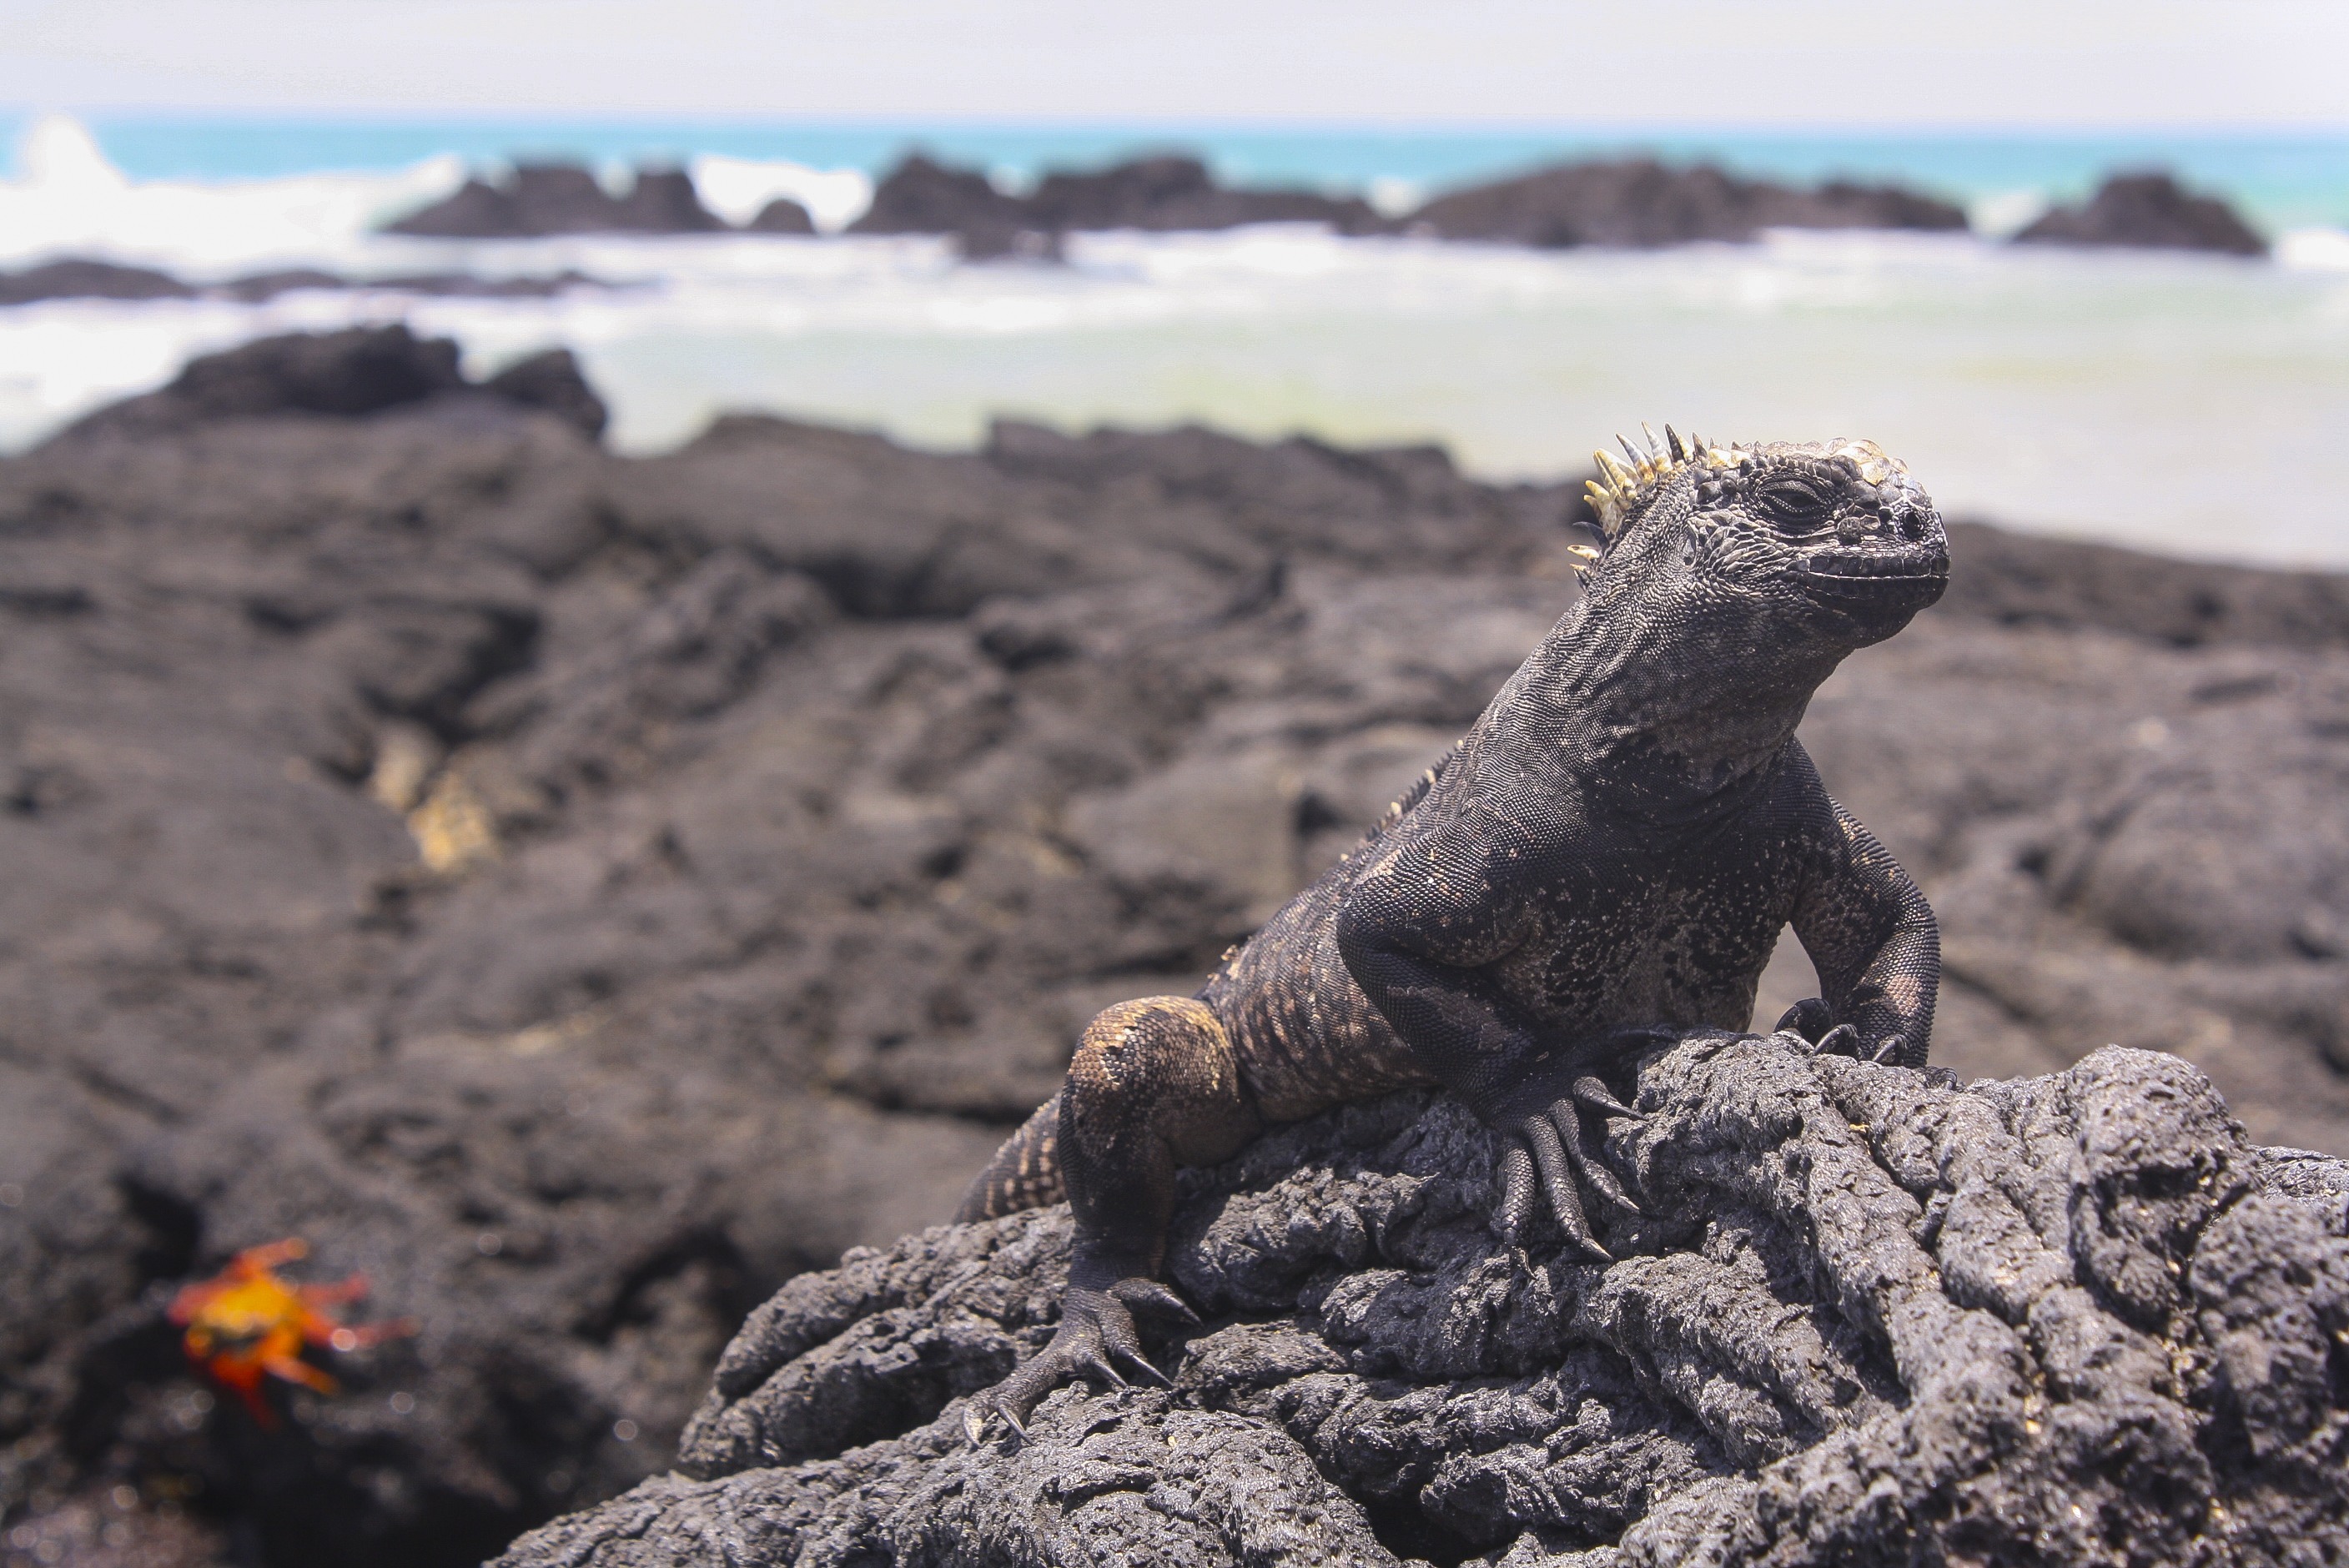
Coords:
pixel 2164 400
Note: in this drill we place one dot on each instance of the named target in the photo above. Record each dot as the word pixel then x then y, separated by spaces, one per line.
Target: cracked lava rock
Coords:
pixel 2071 1319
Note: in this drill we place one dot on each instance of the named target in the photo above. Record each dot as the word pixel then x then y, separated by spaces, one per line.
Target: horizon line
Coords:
pixel 426 116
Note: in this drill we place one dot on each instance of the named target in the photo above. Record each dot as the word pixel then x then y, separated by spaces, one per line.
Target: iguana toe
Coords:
pixel 1094 1328
pixel 1547 1152
pixel 1588 1162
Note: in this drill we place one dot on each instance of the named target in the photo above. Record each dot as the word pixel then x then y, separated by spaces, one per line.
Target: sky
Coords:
pixel 1808 62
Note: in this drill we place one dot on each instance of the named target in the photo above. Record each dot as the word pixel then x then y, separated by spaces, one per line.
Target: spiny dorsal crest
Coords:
pixel 1620 487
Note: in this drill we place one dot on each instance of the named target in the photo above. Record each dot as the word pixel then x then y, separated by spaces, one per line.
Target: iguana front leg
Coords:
pixel 1154 1085
pixel 1874 943
pixel 1417 953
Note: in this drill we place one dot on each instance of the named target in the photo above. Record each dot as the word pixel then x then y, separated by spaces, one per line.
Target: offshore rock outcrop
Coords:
pixel 542 199
pixel 2149 211
pixel 1631 202
pixel 1867 1316
pixel 921 196
pixel 1640 204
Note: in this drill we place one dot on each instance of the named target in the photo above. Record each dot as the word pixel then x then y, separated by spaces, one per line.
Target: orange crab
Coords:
pixel 245 1321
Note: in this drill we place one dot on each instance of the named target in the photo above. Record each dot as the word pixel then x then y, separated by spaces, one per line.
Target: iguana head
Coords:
pixel 1829 544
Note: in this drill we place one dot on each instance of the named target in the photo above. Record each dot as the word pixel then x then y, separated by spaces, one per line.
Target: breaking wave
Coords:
pixel 2158 400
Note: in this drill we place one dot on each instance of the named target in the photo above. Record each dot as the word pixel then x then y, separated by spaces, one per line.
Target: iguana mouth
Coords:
pixel 1859 573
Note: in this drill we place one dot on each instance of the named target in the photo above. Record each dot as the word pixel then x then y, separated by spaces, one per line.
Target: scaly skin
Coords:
pixel 1616 844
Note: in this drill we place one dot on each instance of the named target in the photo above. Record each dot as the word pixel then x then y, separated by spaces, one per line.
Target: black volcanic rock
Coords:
pixel 1638 202
pixel 562 199
pixel 102 280
pixel 663 201
pixel 1130 195
pixel 1163 193
pixel 2017 581
pixel 447 285
pixel 356 371
pixel 551 381
pixel 542 199
pixel 782 216
pixel 984 243
pixel 346 373
pixel 2150 210
pixel 254 288
pixel 1870 1318
pixel 921 196
pixel 81 279
pixel 477 210
pixel 1171 193
pixel 468 286
pixel 586 891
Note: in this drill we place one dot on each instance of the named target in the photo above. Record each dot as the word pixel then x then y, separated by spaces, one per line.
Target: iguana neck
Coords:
pixel 1669 719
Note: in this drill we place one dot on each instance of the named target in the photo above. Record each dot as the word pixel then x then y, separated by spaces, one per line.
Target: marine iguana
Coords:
pixel 1616 843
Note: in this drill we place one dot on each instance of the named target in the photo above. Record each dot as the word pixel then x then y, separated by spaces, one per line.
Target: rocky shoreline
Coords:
pixel 1633 203
pixel 586 893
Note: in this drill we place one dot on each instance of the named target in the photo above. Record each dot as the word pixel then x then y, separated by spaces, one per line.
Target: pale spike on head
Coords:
pixel 1620 487
pixel 1875 467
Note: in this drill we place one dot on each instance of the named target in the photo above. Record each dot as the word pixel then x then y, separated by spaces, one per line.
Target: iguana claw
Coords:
pixel 1809 1019
pixel 1599 1097
pixel 1149 1295
pixel 1094 1326
pixel 1549 1152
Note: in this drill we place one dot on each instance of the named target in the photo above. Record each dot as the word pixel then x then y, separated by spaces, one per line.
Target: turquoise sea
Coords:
pixel 2163 399
pixel 2285 180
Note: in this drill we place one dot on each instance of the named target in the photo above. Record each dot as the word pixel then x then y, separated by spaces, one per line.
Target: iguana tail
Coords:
pixel 1025 1172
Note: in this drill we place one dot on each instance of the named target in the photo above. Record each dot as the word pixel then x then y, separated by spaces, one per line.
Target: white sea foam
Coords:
pixel 2160 400
pixel 1391 196
pixel 68 200
pixel 739 189
pixel 2003 214
pixel 2313 250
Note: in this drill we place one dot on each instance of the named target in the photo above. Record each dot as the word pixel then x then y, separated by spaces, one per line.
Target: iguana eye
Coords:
pixel 1795 500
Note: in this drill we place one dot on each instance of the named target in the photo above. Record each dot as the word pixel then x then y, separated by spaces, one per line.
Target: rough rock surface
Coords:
pixel 1641 202
pixel 2072 1319
pixel 585 893
pixel 2150 210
